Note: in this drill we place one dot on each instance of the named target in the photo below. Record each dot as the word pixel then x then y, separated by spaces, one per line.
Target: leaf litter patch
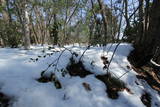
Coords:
pixel 113 85
pixel 77 68
pixel 50 78
pixel 146 99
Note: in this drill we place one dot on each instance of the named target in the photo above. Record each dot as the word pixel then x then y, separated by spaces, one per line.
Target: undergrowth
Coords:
pixel 113 85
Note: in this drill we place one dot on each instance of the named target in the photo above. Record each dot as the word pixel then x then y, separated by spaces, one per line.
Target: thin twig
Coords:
pixel 123 75
pixel 117 39
pixel 73 12
pixel 84 53
pixel 56 61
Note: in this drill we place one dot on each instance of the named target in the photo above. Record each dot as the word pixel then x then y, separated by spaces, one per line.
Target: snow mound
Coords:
pixel 20 69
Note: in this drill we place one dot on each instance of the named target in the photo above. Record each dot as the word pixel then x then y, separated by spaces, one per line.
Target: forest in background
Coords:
pixel 92 22
pixel 95 53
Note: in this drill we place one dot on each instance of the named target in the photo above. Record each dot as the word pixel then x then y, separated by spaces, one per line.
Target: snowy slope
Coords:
pixel 18 74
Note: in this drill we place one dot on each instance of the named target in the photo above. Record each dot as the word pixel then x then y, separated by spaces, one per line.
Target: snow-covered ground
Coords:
pixel 18 74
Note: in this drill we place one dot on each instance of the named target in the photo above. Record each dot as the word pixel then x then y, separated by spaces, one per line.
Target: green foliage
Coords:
pixel 76 22
pixel 10 33
pixel 1 8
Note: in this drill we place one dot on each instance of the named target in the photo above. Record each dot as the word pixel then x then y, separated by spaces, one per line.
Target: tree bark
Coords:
pixel 141 22
pixel 101 5
pixel 126 14
pixel 153 34
pixel 4 12
pixel 26 26
pixel 5 17
pixel 146 50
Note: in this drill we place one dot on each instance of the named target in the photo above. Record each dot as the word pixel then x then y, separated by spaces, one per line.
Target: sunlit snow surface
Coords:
pixel 18 76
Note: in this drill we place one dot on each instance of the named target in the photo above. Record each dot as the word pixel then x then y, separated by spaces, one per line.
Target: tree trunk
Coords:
pixel 141 22
pixel 56 30
pixel 5 17
pixel 154 29
pixel 9 12
pixel 102 7
pixel 4 12
pixel 146 50
pixel 126 14
pixel 26 27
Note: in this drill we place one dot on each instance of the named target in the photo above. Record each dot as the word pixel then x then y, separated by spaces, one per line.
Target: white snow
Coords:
pixel 154 63
pixel 18 74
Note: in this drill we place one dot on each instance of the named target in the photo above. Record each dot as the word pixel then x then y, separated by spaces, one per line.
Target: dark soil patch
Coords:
pixel 138 58
pixel 105 61
pixel 86 86
pixel 4 100
pixel 51 78
pixel 44 79
pixel 146 70
pixel 146 99
pixel 77 69
pixel 113 85
pixel 151 76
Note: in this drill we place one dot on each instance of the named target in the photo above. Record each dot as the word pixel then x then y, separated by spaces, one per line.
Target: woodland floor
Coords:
pixel 51 76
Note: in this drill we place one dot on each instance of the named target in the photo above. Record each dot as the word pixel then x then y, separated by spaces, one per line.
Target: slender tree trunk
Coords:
pixel 126 14
pixel 4 12
pixel 146 25
pixel 35 35
pixel 26 26
pixel 141 22
pixel 5 17
pixel 56 30
pixel 102 7
pixel 9 12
